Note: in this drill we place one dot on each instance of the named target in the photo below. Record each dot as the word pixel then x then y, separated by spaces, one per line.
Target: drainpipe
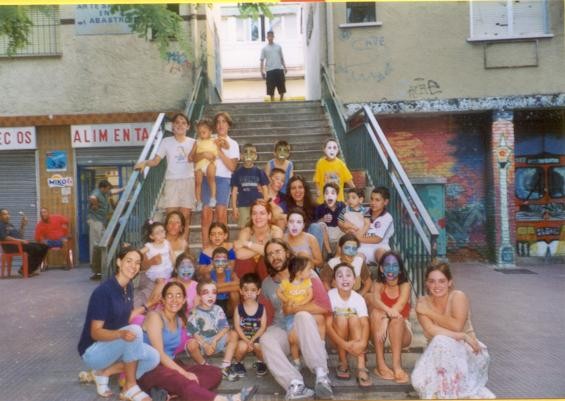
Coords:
pixel 330 39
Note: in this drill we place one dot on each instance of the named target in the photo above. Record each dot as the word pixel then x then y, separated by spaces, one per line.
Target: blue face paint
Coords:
pixel 391 268
pixel 186 270
pixel 349 250
pixel 220 262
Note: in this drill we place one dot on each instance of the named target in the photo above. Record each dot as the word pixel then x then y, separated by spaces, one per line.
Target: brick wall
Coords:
pixel 455 148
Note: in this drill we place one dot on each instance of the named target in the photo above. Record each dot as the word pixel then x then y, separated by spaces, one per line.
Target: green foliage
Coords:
pixel 156 22
pixel 255 10
pixel 16 25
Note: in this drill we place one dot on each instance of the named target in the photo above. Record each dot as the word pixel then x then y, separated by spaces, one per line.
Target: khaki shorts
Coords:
pixel 178 193
pixel 244 215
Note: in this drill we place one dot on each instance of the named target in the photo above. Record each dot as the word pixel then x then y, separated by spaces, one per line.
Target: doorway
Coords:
pixel 88 179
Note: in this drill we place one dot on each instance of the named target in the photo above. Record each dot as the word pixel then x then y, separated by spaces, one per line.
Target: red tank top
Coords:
pixel 405 312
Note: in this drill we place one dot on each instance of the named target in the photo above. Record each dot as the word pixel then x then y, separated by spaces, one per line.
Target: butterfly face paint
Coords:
pixel 391 268
pixel 186 270
pixel 331 150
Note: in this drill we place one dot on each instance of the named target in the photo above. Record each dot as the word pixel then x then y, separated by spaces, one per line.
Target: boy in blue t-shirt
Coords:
pixel 248 183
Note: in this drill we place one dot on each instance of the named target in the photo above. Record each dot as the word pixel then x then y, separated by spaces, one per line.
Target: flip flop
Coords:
pixel 134 394
pixel 102 388
pixel 342 374
pixel 389 375
pixel 365 380
pixel 401 377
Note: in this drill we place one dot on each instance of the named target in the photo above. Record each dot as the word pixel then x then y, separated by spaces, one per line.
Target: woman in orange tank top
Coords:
pixel 389 301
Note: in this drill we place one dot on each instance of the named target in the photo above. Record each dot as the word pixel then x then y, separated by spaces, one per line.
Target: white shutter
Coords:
pixel 529 17
pixel 489 19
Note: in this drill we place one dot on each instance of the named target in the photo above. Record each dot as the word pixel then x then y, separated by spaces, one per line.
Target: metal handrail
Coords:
pixel 141 194
pixel 365 146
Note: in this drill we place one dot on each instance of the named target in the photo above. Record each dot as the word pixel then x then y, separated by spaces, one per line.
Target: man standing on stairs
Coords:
pixel 273 61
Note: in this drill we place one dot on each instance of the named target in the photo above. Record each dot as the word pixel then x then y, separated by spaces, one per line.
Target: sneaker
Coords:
pixel 298 391
pixel 96 277
pixel 212 202
pixel 261 368
pixel 323 388
pixel 239 369
pixel 229 374
pixel 297 365
pixel 198 207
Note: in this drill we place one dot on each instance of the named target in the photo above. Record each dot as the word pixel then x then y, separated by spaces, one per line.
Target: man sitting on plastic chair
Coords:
pixel 36 252
pixel 53 231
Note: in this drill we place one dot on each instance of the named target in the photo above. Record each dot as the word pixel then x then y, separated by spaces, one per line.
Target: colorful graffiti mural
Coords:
pixel 453 148
pixel 540 201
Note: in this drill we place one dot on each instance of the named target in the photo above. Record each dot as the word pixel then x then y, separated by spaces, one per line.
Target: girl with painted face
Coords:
pixel 348 325
pixel 185 273
pixel 349 246
pixel 327 215
pixel 389 301
pixel 301 242
pixel 281 161
pixel 331 169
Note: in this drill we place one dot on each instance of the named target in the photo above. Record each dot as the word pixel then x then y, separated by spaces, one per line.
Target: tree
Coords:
pixel 148 21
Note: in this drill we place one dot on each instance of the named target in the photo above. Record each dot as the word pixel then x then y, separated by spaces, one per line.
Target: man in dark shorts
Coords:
pixel 272 60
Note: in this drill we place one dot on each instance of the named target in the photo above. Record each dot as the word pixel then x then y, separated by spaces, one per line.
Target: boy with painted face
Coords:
pixel 348 245
pixel 226 281
pixel 327 214
pixel 282 162
pixel 210 331
pixel 332 169
pixel 276 183
pixel 250 322
pixel 248 184
pixel 348 326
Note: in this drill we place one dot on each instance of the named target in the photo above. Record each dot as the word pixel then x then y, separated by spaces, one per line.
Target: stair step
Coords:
pixel 275 134
pixel 296 147
pixel 286 116
pixel 291 123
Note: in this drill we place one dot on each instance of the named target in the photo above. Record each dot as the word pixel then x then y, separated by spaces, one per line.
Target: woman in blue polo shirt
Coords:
pixel 109 344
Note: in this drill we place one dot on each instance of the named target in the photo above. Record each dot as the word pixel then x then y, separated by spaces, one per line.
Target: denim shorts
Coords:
pixel 222 191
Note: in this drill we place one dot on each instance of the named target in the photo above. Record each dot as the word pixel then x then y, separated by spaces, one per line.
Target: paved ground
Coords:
pixel 521 318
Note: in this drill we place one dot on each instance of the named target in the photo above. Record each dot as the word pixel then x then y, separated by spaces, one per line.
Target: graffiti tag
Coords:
pixel 364 72
pixel 177 61
pixel 369 43
pixel 422 88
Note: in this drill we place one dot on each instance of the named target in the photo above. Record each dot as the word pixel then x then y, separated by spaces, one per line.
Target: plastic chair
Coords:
pixel 16 249
pixel 69 257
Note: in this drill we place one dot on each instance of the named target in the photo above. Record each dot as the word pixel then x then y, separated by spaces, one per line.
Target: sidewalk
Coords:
pixel 520 317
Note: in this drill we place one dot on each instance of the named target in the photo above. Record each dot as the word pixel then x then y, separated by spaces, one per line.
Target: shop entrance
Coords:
pixel 88 179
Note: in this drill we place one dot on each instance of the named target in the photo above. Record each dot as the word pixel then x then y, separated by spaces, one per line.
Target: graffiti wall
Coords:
pixel 540 184
pixel 453 148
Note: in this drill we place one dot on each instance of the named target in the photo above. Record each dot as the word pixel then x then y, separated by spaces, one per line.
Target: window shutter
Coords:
pixel 529 17
pixel 489 19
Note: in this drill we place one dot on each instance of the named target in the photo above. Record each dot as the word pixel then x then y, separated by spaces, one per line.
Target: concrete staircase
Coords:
pixel 302 124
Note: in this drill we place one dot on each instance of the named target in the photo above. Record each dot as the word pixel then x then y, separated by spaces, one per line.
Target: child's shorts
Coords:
pixel 202 165
pixel 220 346
pixel 244 214
pixel 289 322
pixel 369 251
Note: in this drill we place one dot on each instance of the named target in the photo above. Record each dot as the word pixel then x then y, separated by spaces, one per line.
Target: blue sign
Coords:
pixel 56 160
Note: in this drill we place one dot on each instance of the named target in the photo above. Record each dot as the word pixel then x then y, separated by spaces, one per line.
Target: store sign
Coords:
pixel 58 181
pixel 98 19
pixel 105 135
pixel 17 138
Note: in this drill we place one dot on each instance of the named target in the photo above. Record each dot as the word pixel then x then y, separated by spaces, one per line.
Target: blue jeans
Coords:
pixel 103 354
pixel 317 231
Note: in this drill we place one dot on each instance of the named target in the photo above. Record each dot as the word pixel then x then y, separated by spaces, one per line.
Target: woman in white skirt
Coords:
pixel 455 363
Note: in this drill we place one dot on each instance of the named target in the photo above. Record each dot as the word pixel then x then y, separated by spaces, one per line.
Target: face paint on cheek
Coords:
pixel 391 268
pixel 282 153
pixel 330 196
pixel 331 150
pixel 350 250
pixel 295 227
pixel 186 270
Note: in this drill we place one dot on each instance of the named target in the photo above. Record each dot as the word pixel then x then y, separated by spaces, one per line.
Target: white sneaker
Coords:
pixel 198 207
pixel 212 202
pixel 323 388
pixel 298 391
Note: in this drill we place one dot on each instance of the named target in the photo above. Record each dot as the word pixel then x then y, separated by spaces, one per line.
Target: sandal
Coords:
pixel 342 373
pixel 102 388
pixel 401 377
pixel 388 375
pixel 246 394
pixel 363 378
pixel 134 394
pixel 86 376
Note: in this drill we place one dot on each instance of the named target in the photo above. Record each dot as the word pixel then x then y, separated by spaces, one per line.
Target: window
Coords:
pixel 247 30
pixel 360 12
pixel 44 34
pixel 557 182
pixel 508 19
pixel 529 183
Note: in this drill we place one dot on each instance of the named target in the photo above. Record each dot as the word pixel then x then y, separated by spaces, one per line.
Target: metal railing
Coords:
pixel 141 194
pixel 366 147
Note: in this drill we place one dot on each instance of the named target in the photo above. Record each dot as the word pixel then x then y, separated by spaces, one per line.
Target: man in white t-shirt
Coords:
pixel 226 162
pixel 272 60
pixel 179 178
